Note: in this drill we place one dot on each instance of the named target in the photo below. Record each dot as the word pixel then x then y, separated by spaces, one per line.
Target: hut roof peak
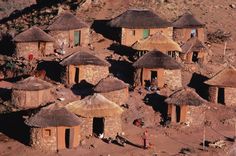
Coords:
pixel 33 34
pixel 187 20
pixel 193 44
pixel 53 117
pixel 156 59
pixel 224 78
pixel 109 84
pixel 139 19
pixel 94 106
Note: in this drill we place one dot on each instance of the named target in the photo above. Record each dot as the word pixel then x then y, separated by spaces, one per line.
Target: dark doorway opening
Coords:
pixel 153 75
pixel 178 112
pixel 221 96
pixel 193 33
pixel 98 126
pixel 67 138
pixel 195 57
pixel 76 75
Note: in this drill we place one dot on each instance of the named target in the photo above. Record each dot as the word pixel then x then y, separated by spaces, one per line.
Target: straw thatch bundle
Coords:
pixel 225 78
pixel 156 59
pixel 53 117
pixel 187 20
pixel 185 96
pixel 67 21
pixel 110 84
pixel 32 84
pixel 33 34
pixel 157 41
pixel 83 58
pixel 139 19
pixel 193 44
pixel 94 106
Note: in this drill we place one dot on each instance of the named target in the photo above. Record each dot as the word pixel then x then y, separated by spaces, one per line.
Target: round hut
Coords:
pixel 54 129
pixel 100 116
pixel 31 92
pixel 157 69
pixel 222 87
pixel 184 106
pixel 113 89
pixel 160 42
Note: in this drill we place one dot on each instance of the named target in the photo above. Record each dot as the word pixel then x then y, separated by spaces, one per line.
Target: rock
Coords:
pixel 233 6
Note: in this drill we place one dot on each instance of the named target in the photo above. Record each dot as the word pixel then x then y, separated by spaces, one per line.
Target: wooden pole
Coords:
pixel 225 50
pixel 234 131
pixel 204 132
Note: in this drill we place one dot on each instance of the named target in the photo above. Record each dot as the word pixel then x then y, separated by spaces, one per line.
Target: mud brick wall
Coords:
pixel 118 96
pixel 230 96
pixel 31 99
pixel 182 35
pixel 195 115
pixel 40 140
pixel 23 49
pixel 128 38
pixel 173 79
pixel 112 126
pixel 93 74
pixel 67 37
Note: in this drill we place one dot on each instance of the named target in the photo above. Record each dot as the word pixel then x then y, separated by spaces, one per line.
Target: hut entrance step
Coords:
pixel 98 126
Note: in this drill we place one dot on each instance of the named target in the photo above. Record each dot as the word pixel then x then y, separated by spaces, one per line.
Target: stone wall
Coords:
pixel 213 94
pixel 230 96
pixel 91 73
pixel 118 96
pixel 130 36
pixel 67 37
pixel 31 99
pixel 41 140
pixel 112 126
pixel 173 79
pixel 183 35
pixel 24 49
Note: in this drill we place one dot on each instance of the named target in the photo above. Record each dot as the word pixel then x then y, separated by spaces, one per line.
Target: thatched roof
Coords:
pixel 83 58
pixel 139 19
pixel 66 21
pixel 194 44
pixel 187 20
pixel 32 84
pixel 157 41
pixel 110 84
pixel 33 34
pixel 53 118
pixel 94 106
pixel 225 78
pixel 185 96
pixel 156 59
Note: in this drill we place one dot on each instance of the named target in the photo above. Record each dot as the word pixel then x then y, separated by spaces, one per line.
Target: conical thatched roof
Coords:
pixel 67 21
pixel 110 84
pixel 193 44
pixel 94 106
pixel 156 59
pixel 33 34
pixel 55 117
pixel 185 96
pixel 225 78
pixel 187 20
pixel 139 19
pixel 83 58
pixel 32 84
pixel 157 41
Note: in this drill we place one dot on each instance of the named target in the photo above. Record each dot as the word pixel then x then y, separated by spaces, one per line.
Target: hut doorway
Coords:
pixel 195 57
pixel 221 96
pixel 42 47
pixel 146 33
pixel 77 38
pixel 178 113
pixel 76 75
pixel 154 78
pixel 68 138
pixel 193 33
pixel 98 126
